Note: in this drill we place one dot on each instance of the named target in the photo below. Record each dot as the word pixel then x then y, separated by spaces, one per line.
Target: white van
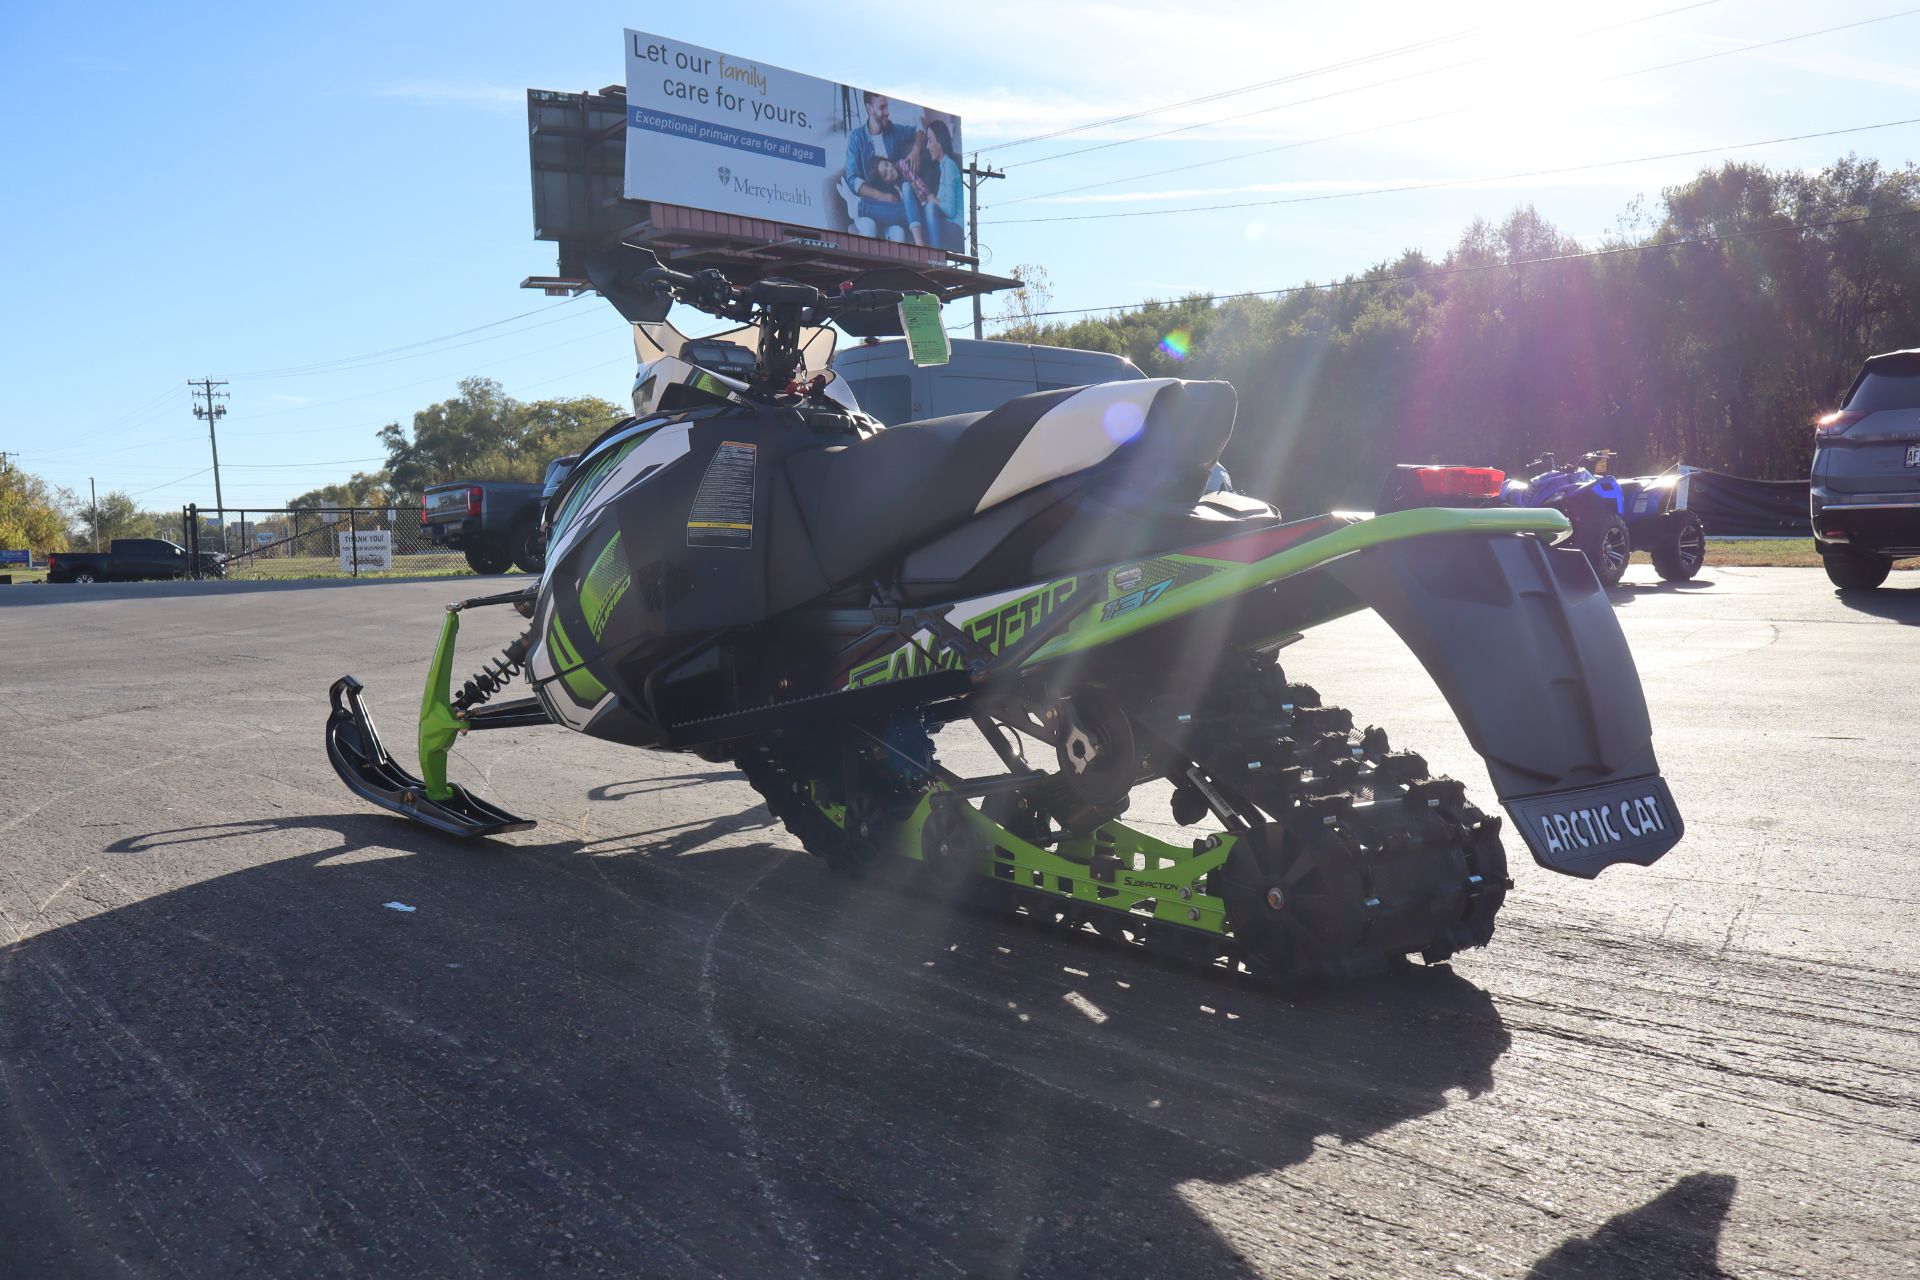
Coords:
pixel 981 375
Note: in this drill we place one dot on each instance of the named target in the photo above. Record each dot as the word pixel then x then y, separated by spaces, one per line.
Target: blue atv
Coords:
pixel 1612 518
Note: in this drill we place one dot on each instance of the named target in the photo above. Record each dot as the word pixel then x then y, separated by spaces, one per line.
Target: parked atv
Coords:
pixel 1613 518
pixel 754 571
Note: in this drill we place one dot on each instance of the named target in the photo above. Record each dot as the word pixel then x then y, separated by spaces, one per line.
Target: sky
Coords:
pixel 324 207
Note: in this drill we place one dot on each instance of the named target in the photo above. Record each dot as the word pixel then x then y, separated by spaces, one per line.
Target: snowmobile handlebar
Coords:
pixel 713 293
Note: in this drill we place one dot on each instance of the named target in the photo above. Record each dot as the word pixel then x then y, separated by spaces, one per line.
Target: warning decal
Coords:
pixel 722 514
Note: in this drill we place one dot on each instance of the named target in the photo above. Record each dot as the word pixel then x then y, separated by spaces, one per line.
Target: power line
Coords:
pixel 160 406
pixel 405 386
pixel 1415 276
pixel 169 484
pixel 1436 115
pixel 1382 55
pixel 1340 93
pixel 1459 182
pixel 324 365
pixel 433 351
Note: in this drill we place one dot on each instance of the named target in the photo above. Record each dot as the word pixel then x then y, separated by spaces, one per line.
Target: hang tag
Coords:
pixel 926 337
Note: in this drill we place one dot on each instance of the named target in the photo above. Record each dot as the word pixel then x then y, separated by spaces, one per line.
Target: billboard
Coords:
pixel 713 131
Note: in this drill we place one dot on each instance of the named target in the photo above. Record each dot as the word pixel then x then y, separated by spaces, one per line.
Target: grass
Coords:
pixel 1767 553
pixel 1792 553
pixel 434 564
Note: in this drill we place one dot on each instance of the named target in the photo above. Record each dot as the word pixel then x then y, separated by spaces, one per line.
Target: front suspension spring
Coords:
pixel 493 676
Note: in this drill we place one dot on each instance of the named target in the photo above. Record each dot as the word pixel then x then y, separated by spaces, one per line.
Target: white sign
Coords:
pixel 713 131
pixel 368 549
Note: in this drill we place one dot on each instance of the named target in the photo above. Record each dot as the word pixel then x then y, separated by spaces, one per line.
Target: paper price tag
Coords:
pixel 926 337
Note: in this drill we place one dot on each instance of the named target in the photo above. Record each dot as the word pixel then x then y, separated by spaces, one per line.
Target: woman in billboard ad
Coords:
pixel 902 176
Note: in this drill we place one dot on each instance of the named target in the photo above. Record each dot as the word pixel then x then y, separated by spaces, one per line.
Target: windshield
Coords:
pixel 661 338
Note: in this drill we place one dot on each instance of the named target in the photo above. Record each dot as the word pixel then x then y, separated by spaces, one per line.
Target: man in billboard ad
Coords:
pixel 715 131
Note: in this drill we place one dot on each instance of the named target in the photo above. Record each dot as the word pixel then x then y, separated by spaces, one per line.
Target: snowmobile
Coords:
pixel 752 570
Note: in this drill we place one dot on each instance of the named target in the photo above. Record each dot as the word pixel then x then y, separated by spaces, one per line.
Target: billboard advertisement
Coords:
pixel 713 131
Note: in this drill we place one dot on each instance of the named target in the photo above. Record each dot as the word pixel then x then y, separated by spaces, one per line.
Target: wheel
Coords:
pixel 1603 537
pixel 529 545
pixel 1852 570
pixel 1682 549
pixel 488 558
pixel 86 575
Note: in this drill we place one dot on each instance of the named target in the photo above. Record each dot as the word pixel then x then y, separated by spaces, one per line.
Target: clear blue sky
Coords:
pixel 232 190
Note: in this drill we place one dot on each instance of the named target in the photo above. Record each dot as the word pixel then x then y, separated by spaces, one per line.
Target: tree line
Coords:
pixel 1710 329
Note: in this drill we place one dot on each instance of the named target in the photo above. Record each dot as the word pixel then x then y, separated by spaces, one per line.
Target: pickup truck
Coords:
pixel 496 522
pixel 131 560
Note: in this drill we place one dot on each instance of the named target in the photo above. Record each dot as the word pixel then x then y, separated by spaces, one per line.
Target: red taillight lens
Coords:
pixel 1460 482
pixel 1838 421
pixel 473 501
pixel 423 511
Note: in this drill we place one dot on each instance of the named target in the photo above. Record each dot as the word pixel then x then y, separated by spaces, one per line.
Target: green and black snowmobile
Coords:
pixel 752 570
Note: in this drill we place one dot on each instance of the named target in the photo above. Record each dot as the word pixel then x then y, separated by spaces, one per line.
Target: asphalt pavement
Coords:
pixel 251 1026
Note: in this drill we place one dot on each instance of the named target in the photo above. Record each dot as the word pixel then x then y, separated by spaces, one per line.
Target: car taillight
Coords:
pixel 1838 421
pixel 473 501
pixel 423 511
pixel 1460 482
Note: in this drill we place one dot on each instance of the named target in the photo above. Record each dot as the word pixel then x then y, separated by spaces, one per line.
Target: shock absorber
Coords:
pixel 495 675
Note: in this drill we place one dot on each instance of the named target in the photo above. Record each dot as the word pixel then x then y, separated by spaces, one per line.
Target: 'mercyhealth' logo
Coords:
pixel 773 193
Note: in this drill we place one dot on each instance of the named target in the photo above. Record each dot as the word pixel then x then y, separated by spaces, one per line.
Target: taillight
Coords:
pixel 423 511
pixel 1838 421
pixel 473 501
pixel 1460 482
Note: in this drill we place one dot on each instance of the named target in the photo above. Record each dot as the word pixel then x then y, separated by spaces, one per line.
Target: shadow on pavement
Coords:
pixel 1675 1237
pixel 607 1057
pixel 458 586
pixel 1890 601
pixel 1628 592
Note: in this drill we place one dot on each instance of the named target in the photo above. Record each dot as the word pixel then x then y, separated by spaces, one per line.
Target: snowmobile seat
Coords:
pixel 868 502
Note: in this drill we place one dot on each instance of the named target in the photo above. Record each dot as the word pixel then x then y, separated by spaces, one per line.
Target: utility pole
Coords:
pixel 213 413
pixel 94 499
pixel 975 175
pixel 4 465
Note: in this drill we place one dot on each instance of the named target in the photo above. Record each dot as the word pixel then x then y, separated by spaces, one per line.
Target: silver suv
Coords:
pixel 1866 474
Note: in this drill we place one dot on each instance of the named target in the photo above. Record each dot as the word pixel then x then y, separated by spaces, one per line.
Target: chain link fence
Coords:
pixel 328 542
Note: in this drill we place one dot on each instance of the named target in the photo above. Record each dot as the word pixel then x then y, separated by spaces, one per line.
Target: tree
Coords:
pixel 484 434
pixel 1021 306
pixel 1719 324
pixel 118 516
pixel 365 489
pixel 33 517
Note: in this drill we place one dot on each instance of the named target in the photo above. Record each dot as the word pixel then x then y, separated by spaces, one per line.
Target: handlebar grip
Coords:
pixel 775 293
pixel 665 279
pixel 867 299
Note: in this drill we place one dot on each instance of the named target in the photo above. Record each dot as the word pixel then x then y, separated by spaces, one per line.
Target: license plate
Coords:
pixel 1913 455
pixel 1581 833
